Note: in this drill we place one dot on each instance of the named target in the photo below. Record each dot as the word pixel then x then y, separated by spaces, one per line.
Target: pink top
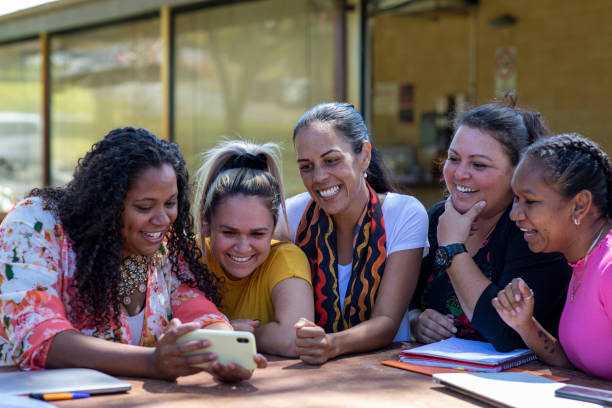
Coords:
pixel 585 329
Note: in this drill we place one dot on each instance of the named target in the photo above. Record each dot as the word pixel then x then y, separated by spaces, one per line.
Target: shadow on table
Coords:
pixel 218 389
pixel 444 390
pixel 302 366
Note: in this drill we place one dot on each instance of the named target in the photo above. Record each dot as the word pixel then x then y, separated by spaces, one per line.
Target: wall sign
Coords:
pixel 505 70
pixel 385 98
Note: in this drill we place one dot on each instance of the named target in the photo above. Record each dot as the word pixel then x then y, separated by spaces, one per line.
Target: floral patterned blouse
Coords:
pixel 37 267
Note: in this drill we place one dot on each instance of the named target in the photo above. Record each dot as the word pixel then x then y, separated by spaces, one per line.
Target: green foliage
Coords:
pixel 20 96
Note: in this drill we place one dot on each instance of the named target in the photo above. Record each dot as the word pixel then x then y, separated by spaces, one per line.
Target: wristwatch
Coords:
pixel 445 254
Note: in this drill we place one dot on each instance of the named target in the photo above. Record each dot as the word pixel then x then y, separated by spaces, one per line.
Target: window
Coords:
pixel 102 79
pixel 20 117
pixel 251 70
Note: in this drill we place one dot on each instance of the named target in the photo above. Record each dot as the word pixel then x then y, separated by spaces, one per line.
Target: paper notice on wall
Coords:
pixel 505 70
pixel 386 98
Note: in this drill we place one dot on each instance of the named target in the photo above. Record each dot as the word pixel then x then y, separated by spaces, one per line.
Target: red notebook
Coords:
pixel 428 370
pixel 467 355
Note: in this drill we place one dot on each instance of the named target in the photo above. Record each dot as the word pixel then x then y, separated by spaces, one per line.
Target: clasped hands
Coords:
pixel 312 344
pixel 515 304
pixel 170 361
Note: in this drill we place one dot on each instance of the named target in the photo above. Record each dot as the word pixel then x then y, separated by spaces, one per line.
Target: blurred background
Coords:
pixel 195 72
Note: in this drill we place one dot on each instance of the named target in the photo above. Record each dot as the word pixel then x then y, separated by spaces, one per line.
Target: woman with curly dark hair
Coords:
pixel 93 271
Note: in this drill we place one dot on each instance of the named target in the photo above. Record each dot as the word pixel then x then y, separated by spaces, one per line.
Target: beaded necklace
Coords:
pixel 134 273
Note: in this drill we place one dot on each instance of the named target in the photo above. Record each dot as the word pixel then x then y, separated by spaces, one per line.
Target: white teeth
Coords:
pixel 465 189
pixel 329 192
pixel 153 235
pixel 524 229
pixel 238 259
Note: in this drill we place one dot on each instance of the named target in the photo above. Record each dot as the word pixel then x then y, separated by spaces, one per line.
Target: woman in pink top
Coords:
pixel 563 202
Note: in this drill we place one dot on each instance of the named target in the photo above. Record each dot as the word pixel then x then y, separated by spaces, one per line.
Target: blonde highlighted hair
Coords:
pixel 238 167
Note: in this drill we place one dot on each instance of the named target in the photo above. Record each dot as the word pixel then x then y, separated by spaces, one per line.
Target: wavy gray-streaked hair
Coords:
pixel 238 167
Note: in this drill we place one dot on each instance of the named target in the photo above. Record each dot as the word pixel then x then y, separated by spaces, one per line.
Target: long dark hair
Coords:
pixel 349 123
pixel 90 208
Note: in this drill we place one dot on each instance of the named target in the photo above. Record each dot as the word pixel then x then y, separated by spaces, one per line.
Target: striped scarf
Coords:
pixel 316 235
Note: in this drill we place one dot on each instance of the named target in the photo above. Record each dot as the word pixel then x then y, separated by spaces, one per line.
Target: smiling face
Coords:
pixel 150 209
pixel 477 168
pixel 331 171
pixel 240 231
pixel 544 216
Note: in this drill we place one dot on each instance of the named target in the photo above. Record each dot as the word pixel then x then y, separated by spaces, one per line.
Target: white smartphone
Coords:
pixel 229 346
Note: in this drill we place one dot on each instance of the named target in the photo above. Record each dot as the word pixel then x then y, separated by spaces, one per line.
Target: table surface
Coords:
pixel 355 380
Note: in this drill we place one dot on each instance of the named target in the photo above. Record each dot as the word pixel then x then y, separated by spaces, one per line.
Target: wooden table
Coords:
pixel 355 381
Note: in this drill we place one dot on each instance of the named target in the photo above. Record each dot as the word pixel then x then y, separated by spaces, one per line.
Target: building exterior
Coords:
pixel 195 71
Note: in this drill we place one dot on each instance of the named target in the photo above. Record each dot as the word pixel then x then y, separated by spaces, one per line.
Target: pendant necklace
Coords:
pixel 576 286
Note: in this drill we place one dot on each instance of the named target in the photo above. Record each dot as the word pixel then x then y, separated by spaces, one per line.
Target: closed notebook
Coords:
pixel 466 355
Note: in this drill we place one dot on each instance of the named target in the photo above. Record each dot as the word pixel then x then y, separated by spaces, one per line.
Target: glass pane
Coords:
pixel 102 79
pixel 415 85
pixel 251 70
pixel 20 119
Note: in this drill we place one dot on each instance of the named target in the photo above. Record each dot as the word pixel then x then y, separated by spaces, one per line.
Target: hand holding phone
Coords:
pixel 230 346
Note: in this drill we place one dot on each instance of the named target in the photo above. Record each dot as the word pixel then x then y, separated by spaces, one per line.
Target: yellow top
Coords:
pixel 251 297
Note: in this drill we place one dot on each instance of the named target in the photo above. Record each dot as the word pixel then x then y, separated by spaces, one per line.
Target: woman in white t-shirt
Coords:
pixel 364 242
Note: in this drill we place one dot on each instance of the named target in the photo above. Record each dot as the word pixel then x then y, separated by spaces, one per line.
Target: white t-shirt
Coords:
pixel 136 322
pixel 406 226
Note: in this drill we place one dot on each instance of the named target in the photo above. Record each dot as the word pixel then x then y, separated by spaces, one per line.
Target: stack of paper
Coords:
pixel 464 354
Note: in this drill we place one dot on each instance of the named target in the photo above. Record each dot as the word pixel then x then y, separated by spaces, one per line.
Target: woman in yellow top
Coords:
pixel 266 284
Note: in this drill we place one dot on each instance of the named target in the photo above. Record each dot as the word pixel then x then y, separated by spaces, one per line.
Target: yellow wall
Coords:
pixel 564 63
pixel 564 52
pixel 432 55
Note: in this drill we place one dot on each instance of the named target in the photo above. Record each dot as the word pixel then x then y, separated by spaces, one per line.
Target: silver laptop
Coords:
pixel 60 380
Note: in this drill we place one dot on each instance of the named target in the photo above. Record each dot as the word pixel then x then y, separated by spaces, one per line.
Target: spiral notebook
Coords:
pixel 467 355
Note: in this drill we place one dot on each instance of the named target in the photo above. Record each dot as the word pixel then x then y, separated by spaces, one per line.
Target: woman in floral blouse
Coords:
pixel 93 271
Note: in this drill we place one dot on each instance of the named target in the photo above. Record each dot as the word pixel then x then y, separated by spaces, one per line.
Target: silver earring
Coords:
pixel 576 221
pixel 365 175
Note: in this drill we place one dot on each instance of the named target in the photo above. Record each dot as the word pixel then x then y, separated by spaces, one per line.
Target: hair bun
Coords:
pixel 251 161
